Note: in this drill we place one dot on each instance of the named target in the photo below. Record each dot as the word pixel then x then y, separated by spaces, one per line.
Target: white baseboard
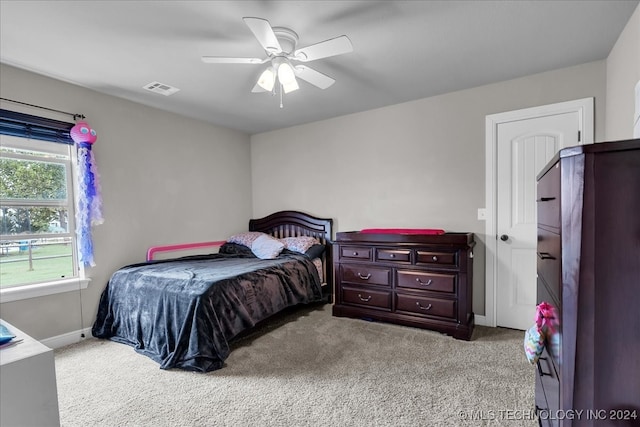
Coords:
pixel 480 320
pixel 67 339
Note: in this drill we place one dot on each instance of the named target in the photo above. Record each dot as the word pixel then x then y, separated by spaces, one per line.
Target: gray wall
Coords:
pixel 416 164
pixel 623 73
pixel 165 179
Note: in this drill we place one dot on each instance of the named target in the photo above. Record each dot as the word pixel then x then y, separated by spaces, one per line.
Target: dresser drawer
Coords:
pixel 425 306
pixel 548 260
pixel 548 378
pixel 427 281
pixel 554 341
pixel 366 297
pixel 548 198
pixel 365 274
pixel 356 252
pixel 541 404
pixel 436 258
pixel 395 255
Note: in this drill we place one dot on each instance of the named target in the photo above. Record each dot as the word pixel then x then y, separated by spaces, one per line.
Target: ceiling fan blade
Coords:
pixel 264 33
pixel 331 47
pixel 227 60
pixel 314 77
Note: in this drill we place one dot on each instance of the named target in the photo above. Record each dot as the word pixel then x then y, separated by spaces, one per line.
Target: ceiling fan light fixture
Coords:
pixel 287 77
pixel 290 87
pixel 286 74
pixel 267 79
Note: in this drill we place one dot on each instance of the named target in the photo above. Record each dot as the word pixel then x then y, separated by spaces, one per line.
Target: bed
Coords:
pixel 183 312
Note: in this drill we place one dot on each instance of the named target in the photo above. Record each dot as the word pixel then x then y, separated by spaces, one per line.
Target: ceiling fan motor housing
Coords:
pixel 287 38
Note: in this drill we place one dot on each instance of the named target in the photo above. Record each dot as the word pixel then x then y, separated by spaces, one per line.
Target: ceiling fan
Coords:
pixel 279 44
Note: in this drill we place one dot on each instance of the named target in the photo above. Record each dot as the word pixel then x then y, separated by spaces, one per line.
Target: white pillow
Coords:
pixel 246 238
pixel 266 247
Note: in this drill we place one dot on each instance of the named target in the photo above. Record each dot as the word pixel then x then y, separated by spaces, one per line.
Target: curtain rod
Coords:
pixel 74 115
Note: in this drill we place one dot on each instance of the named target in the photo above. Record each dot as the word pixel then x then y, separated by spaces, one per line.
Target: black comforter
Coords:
pixel 182 313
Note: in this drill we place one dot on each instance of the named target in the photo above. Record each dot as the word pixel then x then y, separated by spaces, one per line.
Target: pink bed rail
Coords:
pixel 181 247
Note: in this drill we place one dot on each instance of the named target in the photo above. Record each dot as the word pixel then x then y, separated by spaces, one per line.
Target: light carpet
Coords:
pixel 307 368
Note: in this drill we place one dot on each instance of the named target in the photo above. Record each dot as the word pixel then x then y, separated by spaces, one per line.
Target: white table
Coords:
pixel 28 392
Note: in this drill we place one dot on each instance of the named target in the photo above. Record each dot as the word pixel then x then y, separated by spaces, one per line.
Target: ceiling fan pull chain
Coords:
pixel 281 96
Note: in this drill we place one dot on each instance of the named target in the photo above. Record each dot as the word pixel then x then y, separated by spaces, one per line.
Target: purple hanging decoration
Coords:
pixel 89 210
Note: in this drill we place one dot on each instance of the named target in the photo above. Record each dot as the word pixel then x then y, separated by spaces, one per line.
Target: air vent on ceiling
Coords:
pixel 161 88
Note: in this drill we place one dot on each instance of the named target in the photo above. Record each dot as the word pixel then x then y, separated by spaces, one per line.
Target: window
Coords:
pixel 37 232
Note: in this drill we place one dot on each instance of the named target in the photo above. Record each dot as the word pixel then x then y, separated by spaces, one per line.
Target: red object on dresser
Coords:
pixel 428 231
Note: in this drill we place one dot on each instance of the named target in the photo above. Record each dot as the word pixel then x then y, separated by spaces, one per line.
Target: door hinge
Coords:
pixel 579 135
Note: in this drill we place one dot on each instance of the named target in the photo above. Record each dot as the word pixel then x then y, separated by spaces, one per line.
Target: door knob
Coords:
pixel 504 237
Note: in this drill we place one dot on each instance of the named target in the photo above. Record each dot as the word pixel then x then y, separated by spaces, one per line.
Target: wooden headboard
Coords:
pixel 293 224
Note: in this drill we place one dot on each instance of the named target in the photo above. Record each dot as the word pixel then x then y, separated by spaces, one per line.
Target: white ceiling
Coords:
pixel 403 50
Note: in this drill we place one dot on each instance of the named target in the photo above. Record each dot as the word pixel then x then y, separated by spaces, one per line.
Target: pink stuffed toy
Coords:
pixel 543 331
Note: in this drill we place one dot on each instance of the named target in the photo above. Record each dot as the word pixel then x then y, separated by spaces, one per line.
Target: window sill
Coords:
pixel 42 289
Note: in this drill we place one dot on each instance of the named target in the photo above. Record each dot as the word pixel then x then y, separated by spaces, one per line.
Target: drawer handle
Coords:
pixel 542 374
pixel 392 255
pixel 364 277
pixel 364 299
pixel 435 258
pixel 421 307
pixel 355 254
pixel 545 255
pixel 427 283
pixel 538 409
pixel 546 199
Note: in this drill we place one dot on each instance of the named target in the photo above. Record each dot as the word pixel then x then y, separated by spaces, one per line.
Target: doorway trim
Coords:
pixel 584 107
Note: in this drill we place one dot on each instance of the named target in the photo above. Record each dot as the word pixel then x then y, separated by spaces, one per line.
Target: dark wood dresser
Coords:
pixel 423 281
pixel 589 270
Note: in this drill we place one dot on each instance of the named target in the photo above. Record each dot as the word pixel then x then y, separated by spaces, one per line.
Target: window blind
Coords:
pixel 34 127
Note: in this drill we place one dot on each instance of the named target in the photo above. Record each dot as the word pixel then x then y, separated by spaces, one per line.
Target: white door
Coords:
pixel 524 147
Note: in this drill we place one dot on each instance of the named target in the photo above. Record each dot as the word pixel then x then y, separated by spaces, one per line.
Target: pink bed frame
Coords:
pixel 181 247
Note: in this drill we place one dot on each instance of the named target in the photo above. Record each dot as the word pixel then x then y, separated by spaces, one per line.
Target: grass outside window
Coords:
pixel 49 262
